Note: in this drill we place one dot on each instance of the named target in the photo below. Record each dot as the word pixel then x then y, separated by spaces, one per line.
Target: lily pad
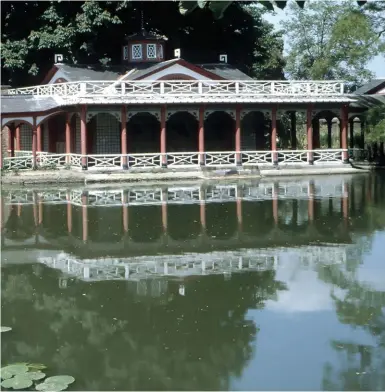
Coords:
pixel 34 375
pixel 5 374
pixel 17 382
pixel 51 386
pixel 15 369
pixel 36 366
pixel 60 379
pixel 6 329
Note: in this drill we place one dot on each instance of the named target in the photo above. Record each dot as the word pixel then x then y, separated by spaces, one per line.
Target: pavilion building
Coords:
pixel 153 112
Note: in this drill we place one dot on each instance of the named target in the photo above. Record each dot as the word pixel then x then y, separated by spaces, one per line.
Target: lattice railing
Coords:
pixel 185 88
pixel 328 156
pixel 182 159
pixel 144 160
pixel 220 158
pixel 251 158
pixel 175 159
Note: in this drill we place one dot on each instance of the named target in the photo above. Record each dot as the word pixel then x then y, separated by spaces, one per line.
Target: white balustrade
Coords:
pixel 182 159
pixel 255 158
pixel 219 158
pixel 328 156
pixel 185 89
pixel 224 159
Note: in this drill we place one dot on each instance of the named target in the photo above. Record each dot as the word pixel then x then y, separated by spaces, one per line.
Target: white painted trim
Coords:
pixel 176 69
pixel 57 75
pixel 6 120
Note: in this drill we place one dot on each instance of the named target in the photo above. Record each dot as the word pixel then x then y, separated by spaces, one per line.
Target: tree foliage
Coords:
pixel 91 32
pixel 330 40
pixel 375 124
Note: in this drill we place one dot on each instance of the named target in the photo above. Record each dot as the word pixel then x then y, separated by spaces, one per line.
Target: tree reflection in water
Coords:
pixel 105 339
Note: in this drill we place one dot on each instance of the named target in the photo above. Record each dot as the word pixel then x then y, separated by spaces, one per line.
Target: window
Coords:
pixel 136 53
pixel 151 51
pixel 160 51
pixel 125 52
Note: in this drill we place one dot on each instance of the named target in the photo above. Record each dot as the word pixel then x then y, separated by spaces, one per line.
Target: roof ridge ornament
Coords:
pixel 58 58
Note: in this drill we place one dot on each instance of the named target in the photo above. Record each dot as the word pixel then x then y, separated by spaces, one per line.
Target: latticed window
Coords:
pixel 137 51
pixel 125 52
pixel 151 51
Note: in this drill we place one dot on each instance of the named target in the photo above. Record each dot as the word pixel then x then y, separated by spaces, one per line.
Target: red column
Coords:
pixel 238 155
pixel 344 133
pixel 201 136
pixel 9 152
pixel 310 157
pixel 34 143
pixel 123 137
pixel 274 135
pixel 68 138
pixel 39 138
pixel 163 149
pixel 83 135
pixel 18 138
pixel 11 134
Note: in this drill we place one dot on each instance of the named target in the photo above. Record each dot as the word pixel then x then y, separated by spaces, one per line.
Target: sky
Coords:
pixel 377 65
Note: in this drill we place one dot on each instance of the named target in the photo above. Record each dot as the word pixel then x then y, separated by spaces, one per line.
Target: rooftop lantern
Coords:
pixel 144 47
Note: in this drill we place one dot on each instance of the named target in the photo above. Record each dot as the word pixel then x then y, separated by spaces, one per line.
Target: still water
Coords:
pixel 225 286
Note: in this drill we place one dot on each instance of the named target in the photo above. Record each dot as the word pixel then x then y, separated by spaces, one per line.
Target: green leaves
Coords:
pixel 55 383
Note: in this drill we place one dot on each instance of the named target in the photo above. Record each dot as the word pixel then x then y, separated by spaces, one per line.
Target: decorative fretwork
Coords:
pixel 190 91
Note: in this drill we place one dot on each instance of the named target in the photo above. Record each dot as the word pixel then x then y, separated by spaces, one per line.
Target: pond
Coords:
pixel 261 285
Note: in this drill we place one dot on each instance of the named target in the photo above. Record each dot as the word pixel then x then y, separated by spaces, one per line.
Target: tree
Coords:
pixel 218 8
pixel 91 32
pixel 330 40
pixel 375 124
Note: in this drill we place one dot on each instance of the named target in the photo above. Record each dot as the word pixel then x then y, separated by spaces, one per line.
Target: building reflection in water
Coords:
pixel 171 309
pixel 138 233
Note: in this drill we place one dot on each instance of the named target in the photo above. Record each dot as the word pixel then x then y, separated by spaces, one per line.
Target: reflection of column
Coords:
pixel 345 202
pixel 69 212
pixel 125 211
pixel 201 135
pixel 311 192
pixel 309 128
pixel 40 209
pixel 294 218
pixel 163 147
pixel 238 155
pixel 85 216
pixel 202 208
pixel 164 196
pixel 19 207
pixel 239 207
pixel 275 192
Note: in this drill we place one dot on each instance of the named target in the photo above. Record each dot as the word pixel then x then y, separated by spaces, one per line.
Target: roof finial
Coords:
pixel 141 21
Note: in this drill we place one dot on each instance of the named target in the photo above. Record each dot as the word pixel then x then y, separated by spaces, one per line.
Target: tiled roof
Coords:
pixel 226 71
pixel 27 103
pixel 371 87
